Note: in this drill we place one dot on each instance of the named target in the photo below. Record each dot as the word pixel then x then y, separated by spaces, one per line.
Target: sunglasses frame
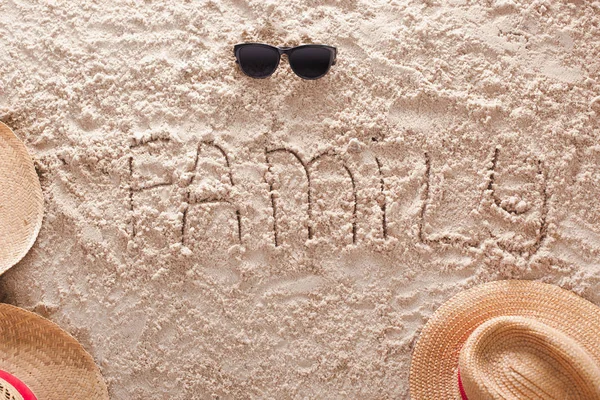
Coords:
pixel 287 51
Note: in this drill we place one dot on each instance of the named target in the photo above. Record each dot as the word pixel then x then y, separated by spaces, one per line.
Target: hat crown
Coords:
pixel 513 357
pixel 8 391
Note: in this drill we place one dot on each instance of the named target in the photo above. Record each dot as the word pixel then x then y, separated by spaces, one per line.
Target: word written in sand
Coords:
pixel 307 166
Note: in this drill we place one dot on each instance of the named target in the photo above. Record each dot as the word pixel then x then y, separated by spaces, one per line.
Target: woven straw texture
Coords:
pixel 521 358
pixel 21 200
pixel 46 358
pixel 434 368
pixel 8 392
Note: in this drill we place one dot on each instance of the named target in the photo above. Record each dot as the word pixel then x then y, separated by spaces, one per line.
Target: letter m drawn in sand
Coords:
pixel 307 168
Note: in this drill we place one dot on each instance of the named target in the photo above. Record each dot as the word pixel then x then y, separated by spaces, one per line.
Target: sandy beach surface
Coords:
pixel 211 236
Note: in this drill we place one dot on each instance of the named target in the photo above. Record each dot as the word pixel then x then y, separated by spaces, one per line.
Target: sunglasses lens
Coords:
pixel 311 62
pixel 258 61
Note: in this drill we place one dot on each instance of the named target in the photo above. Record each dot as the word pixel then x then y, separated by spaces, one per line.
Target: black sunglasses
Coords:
pixel 309 61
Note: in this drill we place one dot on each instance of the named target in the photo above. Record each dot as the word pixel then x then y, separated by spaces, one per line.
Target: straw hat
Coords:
pixel 509 340
pixel 39 359
pixel 21 200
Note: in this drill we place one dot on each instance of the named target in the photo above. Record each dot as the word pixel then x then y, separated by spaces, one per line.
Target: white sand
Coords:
pixel 473 129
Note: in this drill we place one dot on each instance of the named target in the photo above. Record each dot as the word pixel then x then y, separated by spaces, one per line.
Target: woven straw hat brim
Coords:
pixel 21 200
pixel 46 358
pixel 434 366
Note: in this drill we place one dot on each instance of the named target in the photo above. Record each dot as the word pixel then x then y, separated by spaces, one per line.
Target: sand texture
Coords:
pixel 210 236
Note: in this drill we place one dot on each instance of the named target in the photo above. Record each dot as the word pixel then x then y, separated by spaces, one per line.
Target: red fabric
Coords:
pixel 18 385
pixel 463 395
